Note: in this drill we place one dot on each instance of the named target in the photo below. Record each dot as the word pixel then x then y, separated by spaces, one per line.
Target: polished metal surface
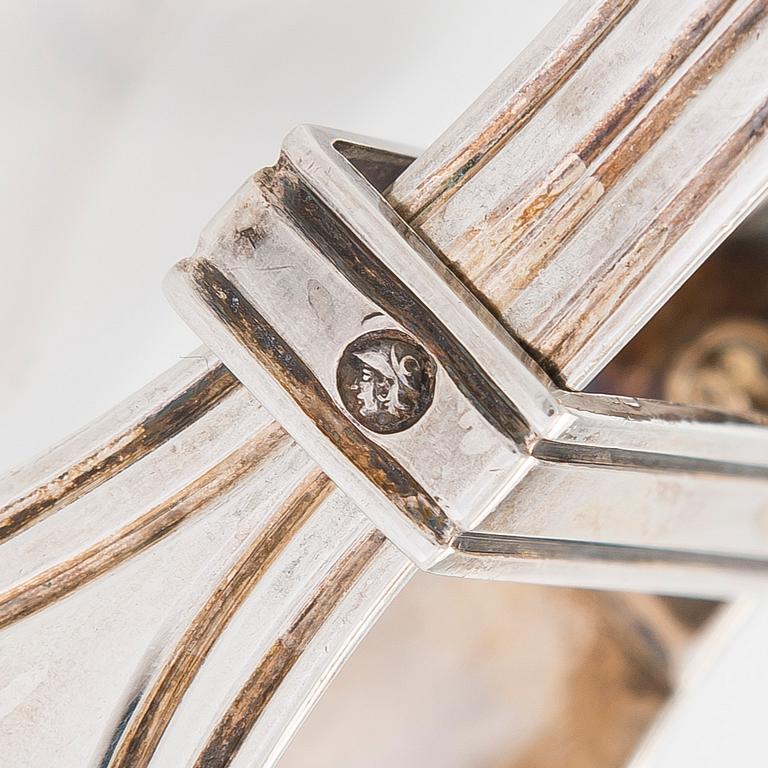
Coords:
pixel 498 473
pixel 186 568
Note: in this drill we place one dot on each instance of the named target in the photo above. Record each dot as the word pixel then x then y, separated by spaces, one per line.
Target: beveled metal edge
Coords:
pixel 393 267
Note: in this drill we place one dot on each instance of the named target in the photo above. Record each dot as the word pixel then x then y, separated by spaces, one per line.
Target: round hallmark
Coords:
pixel 386 381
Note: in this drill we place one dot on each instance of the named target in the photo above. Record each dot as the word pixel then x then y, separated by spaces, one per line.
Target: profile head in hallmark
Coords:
pixel 386 381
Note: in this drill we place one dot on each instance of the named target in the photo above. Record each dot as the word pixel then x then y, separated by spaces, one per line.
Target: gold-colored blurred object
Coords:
pixel 725 367
pixel 709 344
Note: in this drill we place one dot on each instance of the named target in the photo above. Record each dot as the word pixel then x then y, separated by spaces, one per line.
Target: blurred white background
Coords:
pixel 124 127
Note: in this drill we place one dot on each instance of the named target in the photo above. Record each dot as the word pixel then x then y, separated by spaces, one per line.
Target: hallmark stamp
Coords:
pixel 386 380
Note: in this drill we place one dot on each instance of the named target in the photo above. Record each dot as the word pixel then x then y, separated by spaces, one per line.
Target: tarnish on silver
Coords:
pixel 386 381
pixel 500 474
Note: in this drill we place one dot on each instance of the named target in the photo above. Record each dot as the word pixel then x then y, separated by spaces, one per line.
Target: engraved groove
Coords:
pixel 362 269
pixel 420 190
pixel 516 260
pixel 506 224
pixel 120 452
pixel 254 332
pixel 643 136
pixel 557 452
pixel 457 181
pixel 539 548
pixel 609 287
pixel 250 702
pixel 62 579
pixel 158 706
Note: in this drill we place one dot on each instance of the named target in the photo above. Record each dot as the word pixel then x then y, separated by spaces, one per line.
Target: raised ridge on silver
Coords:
pixel 335 314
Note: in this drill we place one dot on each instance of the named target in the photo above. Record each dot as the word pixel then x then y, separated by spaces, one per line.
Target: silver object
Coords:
pixel 187 570
pixel 334 313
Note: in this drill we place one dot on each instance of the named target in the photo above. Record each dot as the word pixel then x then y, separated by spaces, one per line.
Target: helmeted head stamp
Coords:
pixel 386 381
